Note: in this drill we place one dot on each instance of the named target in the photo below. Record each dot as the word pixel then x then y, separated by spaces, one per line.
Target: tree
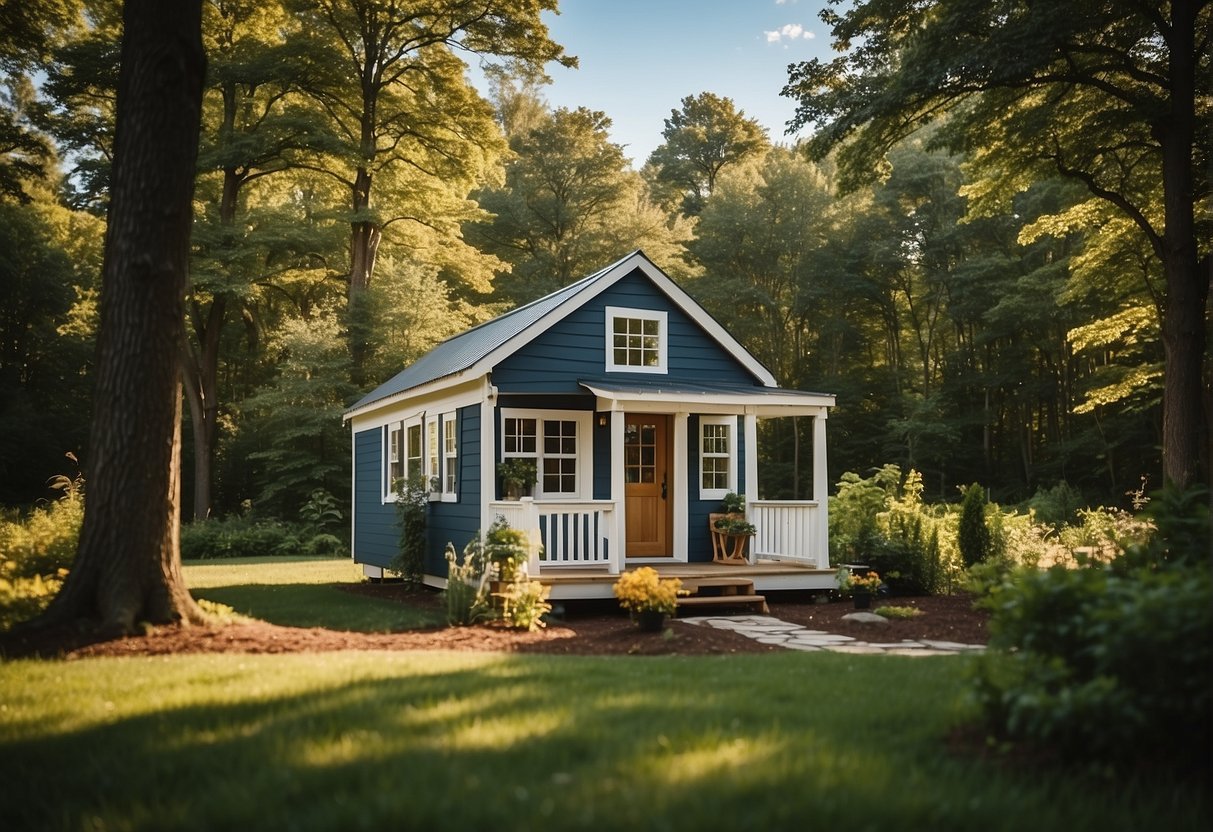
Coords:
pixel 1103 94
pixel 703 138
pixel 973 535
pixel 569 204
pixel 128 566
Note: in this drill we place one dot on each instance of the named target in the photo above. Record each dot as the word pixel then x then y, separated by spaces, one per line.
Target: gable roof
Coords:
pixel 475 351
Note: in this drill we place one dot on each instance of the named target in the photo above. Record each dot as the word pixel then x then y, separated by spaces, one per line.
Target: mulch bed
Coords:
pixel 579 628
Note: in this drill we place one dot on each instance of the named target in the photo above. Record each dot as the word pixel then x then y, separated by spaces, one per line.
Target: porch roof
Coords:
pixel 762 401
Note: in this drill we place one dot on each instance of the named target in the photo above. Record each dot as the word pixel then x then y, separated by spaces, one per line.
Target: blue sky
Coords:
pixel 640 58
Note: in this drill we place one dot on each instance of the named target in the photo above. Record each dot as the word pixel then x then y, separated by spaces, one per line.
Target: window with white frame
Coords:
pixel 433 473
pixel 635 340
pixel 395 460
pixel 412 450
pixel 450 454
pixel 717 455
pixel 554 443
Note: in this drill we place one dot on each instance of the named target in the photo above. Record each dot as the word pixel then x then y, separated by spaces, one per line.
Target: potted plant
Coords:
pixel 730 530
pixel 517 477
pixel 862 587
pixel 649 597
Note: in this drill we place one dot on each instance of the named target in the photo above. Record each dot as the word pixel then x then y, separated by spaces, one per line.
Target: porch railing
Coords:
pixel 789 530
pixel 576 533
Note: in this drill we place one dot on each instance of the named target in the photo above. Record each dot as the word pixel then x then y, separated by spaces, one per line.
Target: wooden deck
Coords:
pixel 580 582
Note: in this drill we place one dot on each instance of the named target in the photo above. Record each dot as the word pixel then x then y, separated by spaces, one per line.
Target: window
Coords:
pixel 636 340
pixel 432 472
pixel 450 454
pixel 412 459
pixel 395 458
pixel 717 448
pixel 555 446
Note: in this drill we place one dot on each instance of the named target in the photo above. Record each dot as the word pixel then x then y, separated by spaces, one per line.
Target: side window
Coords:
pixel 395 461
pixel 717 452
pixel 553 441
pixel 450 455
pixel 432 454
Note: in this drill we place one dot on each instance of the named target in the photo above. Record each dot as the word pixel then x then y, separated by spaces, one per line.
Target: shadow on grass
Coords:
pixel 514 742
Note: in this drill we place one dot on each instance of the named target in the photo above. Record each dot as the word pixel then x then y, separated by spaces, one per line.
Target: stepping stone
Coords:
pixel 865 618
pixel 859 649
pixel 947 645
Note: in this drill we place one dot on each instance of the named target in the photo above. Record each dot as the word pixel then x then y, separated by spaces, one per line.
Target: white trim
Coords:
pixel 488 453
pixel 681 543
pixel 584 420
pixel 615 313
pixel 401 409
pixel 760 403
pixel 618 492
pixel 731 423
pixel 450 435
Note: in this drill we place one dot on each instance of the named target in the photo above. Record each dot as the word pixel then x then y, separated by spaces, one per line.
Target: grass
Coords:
pixel 300 592
pixel 894 611
pixel 479 741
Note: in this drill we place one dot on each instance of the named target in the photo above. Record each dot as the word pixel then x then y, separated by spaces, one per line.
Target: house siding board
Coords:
pixel 459 521
pixel 376 539
pixel 574 349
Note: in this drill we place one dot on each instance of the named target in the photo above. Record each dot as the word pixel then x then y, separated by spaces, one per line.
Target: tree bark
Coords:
pixel 128 565
pixel 1183 329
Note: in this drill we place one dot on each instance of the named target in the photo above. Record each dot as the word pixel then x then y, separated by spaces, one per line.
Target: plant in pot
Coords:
pixel 730 530
pixel 517 477
pixel 649 597
pixel 862 587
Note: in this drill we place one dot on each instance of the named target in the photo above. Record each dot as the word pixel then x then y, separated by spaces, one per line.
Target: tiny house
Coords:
pixel 637 413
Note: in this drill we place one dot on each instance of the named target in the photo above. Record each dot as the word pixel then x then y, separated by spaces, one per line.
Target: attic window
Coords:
pixel 635 340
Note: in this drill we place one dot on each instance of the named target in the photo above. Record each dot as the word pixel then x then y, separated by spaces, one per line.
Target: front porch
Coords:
pixel 577 549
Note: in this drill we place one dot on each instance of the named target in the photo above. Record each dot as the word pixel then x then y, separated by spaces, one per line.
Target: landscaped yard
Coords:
pixel 491 740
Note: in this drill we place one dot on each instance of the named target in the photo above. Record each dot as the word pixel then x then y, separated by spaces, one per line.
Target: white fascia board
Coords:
pixel 763 404
pixel 442 395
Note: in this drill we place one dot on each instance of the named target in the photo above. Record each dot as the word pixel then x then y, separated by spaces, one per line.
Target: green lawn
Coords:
pixel 300 592
pixel 504 742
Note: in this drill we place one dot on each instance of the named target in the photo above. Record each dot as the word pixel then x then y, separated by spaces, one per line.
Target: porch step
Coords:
pixel 721 592
pixel 759 601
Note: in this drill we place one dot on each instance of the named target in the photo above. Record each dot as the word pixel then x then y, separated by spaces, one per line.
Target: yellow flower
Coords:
pixel 643 590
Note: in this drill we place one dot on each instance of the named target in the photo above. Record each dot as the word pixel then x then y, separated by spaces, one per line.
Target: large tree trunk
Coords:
pixel 1183 328
pixel 128 566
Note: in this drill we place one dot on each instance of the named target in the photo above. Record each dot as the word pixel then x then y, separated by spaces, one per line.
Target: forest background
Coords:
pixel 358 200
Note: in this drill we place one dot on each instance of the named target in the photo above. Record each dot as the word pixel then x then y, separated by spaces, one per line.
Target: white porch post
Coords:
pixel 488 455
pixel 821 489
pixel 751 468
pixel 619 518
pixel 679 487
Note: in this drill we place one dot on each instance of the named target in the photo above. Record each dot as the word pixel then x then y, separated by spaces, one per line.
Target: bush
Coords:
pixel 37 550
pixel 412 506
pixel 1108 663
pixel 467 585
pixel 240 537
pixel 973 536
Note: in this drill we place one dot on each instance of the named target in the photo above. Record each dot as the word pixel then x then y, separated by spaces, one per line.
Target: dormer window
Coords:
pixel 635 340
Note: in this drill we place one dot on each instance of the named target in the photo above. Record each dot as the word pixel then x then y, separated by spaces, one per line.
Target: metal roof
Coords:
pixel 460 352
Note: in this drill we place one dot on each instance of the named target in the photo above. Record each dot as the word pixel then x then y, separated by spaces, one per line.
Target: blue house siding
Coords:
pixel 699 541
pixel 376 533
pixel 574 349
pixel 457 522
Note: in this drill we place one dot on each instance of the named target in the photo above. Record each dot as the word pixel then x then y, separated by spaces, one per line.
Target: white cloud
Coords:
pixel 790 32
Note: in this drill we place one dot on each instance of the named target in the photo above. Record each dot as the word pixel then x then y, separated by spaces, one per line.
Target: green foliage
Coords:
pixel 36 552
pixel 524 603
pixel 412 508
pixel 1056 506
pixel 973 537
pixel 243 537
pixel 467 585
pixel 1102 666
pixel 898 612
pixel 507 550
pixel 321 511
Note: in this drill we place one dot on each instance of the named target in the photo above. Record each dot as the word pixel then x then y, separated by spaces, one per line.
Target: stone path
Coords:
pixel 769 630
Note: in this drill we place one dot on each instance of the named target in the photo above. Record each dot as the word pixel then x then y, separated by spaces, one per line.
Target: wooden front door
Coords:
pixel 647 482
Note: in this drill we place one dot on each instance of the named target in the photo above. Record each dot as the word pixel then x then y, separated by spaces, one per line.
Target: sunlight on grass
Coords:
pixel 508 742
pixel 204 574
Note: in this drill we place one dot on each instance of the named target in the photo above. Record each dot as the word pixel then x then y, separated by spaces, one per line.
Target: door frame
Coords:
pixel 678 483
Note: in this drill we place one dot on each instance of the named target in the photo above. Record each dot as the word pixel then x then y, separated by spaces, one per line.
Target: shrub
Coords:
pixel 973 536
pixel 412 504
pixel 893 611
pixel 1108 662
pixel 507 549
pixel 644 590
pixel 37 550
pixel 467 585
pixel 524 602
pixel 239 537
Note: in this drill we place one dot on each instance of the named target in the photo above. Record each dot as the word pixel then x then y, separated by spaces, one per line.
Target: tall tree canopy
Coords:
pixel 1102 93
pixel 701 139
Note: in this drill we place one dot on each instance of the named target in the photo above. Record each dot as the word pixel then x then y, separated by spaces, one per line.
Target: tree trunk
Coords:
pixel 200 373
pixel 128 566
pixel 1183 329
